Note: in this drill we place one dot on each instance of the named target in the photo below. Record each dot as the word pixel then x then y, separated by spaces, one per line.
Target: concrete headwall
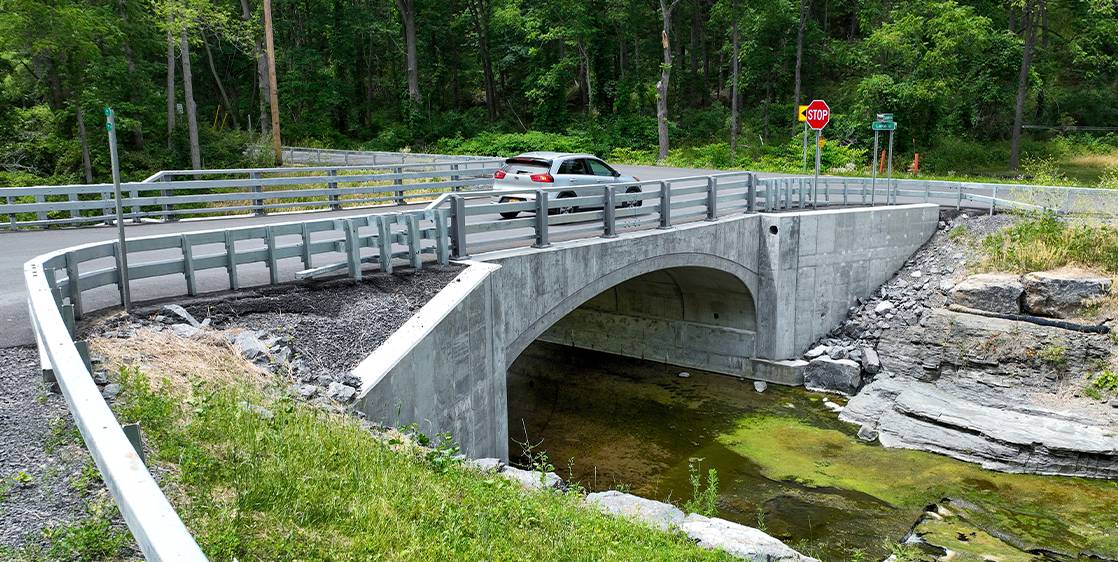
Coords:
pixel 445 369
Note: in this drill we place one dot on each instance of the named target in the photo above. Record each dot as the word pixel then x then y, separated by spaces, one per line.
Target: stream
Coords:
pixel 787 465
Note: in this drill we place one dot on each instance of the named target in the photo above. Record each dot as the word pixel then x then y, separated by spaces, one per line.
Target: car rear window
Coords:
pixel 526 165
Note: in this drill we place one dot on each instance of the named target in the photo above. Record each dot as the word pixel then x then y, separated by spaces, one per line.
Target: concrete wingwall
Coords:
pixel 709 295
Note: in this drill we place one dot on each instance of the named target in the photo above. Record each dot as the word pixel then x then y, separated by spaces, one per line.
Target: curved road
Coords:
pixel 18 247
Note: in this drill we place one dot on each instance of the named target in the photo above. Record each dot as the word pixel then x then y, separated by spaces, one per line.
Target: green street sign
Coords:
pixel 883 126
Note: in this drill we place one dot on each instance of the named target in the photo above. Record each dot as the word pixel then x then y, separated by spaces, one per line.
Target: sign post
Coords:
pixel 817 115
pixel 122 251
pixel 802 117
pixel 883 122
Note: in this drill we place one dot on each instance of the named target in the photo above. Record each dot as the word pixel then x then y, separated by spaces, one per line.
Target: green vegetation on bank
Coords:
pixel 1063 514
pixel 1044 241
pixel 263 477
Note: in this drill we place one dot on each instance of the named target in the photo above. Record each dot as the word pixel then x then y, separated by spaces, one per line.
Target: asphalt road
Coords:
pixel 19 247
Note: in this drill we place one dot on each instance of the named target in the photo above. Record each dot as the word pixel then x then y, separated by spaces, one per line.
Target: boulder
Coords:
pixel 871 363
pixel 340 392
pixel 248 344
pixel 184 330
pixel 816 352
pixel 1063 293
pixel 485 465
pixel 833 375
pixel 739 540
pixel 992 292
pixel 657 514
pixel 883 307
pixel 183 314
pixel 533 480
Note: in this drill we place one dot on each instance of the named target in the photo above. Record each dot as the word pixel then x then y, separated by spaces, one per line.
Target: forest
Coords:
pixel 1000 88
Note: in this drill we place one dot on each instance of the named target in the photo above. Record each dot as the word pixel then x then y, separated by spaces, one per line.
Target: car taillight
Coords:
pixel 499 174
pixel 543 178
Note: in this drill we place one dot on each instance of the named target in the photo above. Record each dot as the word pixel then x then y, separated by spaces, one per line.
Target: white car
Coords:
pixel 556 169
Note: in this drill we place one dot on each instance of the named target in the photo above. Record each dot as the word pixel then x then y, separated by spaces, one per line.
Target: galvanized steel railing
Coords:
pixel 174 194
pixel 452 226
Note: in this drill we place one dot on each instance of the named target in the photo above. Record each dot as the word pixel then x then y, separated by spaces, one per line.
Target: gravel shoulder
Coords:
pixel 49 486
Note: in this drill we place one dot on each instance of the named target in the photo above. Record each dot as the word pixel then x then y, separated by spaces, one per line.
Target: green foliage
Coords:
pixel 704 497
pixel 306 484
pixel 958 232
pixel 1044 241
pixel 559 76
pixel 1054 356
pixel 1102 385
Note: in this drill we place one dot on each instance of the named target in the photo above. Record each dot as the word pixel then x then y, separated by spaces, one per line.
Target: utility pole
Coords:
pixel 273 95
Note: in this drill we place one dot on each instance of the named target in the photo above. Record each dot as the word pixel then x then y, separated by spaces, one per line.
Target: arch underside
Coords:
pixel 690 310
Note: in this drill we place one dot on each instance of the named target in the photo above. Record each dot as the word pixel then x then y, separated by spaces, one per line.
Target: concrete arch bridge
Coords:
pixel 742 295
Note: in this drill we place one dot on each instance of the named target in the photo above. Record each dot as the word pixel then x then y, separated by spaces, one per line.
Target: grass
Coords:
pixel 94 537
pixel 1044 241
pixel 307 484
pixel 1066 514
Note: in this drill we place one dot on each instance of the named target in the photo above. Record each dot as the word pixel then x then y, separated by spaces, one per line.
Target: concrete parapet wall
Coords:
pixel 709 295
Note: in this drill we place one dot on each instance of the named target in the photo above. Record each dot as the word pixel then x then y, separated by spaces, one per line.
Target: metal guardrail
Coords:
pixel 168 196
pixel 301 155
pixel 450 227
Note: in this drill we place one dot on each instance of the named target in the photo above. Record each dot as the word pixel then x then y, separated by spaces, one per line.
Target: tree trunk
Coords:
pixel 191 108
pixel 480 14
pixel 734 85
pixel 261 72
pixel 586 69
pixel 1027 21
pixel 170 84
pixel 407 12
pixel 799 54
pixel 665 75
pixel 217 80
pixel 87 166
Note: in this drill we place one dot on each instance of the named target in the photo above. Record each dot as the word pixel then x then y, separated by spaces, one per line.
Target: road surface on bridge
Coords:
pixel 18 247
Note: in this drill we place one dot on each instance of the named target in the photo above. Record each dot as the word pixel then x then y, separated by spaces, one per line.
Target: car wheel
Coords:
pixel 637 203
pixel 566 209
pixel 509 214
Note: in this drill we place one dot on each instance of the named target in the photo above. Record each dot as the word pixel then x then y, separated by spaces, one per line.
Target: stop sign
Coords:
pixel 818 114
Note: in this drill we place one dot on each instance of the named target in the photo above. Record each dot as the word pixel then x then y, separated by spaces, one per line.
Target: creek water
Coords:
pixel 784 462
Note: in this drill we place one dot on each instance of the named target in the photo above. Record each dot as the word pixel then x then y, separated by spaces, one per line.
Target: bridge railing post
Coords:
pixel 609 222
pixel 993 200
pixel 751 193
pixel 665 205
pixel 399 181
pixel 541 220
pixel 335 205
pixel 258 203
pixel 712 198
pixel 458 227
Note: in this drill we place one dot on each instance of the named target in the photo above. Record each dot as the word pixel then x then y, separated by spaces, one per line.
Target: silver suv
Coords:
pixel 555 169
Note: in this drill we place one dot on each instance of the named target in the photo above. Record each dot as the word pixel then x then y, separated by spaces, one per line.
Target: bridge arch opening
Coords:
pixel 689 316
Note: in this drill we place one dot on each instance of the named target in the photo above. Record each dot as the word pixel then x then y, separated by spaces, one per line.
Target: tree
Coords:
pixel 1029 14
pixel 804 8
pixel 665 76
pixel 407 13
pixel 191 107
pixel 735 65
pixel 481 13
